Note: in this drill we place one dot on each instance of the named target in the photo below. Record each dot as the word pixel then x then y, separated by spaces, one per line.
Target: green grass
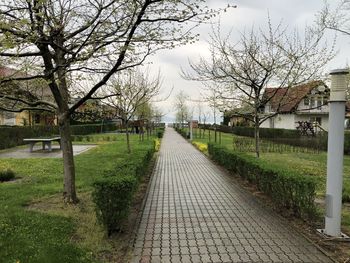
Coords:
pixel 310 162
pixel 31 235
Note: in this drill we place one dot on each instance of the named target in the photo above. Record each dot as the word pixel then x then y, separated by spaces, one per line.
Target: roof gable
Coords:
pixel 287 99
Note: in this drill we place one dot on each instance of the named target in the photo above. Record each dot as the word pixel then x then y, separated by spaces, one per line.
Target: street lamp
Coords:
pixel 335 153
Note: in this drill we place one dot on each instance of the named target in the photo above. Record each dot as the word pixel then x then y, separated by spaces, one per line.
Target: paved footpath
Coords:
pixel 195 213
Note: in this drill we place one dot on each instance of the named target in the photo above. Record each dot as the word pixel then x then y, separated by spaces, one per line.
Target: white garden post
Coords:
pixel 191 130
pixel 335 152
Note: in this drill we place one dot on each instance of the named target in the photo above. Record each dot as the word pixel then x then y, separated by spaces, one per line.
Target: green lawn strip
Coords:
pixel 27 235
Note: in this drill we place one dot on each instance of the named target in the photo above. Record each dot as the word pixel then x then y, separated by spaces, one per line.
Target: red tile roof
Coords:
pixel 287 99
pixel 9 72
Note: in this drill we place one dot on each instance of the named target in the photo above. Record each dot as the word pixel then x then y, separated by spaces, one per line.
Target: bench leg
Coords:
pixel 49 146
pixel 31 146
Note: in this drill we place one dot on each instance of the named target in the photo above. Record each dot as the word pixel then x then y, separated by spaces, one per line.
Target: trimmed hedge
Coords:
pixel 284 136
pixel 113 196
pixel 182 132
pixel 6 175
pixel 114 191
pixel 266 132
pixel 288 189
pixel 12 136
pixel 92 128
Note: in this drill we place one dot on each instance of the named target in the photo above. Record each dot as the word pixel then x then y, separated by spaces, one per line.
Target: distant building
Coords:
pixel 30 91
pixel 292 106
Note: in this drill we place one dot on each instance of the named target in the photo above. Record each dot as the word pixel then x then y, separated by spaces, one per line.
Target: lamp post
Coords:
pixel 335 153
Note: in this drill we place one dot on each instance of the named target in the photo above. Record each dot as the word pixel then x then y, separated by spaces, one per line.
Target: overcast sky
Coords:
pixel 294 13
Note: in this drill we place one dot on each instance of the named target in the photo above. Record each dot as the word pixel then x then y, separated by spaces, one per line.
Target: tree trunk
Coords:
pixel 215 134
pixel 257 137
pixel 69 193
pixel 128 138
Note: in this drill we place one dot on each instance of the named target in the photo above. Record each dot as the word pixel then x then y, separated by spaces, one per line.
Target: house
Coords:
pixel 239 116
pixel 30 90
pixel 289 107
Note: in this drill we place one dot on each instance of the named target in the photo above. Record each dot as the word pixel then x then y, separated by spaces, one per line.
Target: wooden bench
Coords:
pixel 45 141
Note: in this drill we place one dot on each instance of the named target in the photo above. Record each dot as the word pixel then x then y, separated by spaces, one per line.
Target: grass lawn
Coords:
pixel 35 226
pixel 311 163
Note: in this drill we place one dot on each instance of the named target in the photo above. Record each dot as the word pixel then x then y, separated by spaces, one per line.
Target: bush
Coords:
pixel 92 128
pixel 182 132
pixel 12 136
pixel 156 145
pixel 6 175
pixel 112 196
pixel 160 134
pixel 113 193
pixel 288 189
pixel 201 146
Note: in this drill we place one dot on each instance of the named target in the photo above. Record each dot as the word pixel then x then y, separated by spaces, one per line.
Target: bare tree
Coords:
pixel 66 40
pixel 182 110
pixel 129 92
pixel 243 70
pixel 337 19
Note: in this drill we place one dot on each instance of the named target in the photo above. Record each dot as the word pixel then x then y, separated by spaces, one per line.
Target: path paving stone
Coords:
pixel 195 213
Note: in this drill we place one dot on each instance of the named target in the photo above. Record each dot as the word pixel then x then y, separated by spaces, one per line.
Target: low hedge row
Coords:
pixel 266 132
pixel 284 136
pixel 160 132
pixel 12 136
pixel 113 192
pixel 92 128
pixel 6 175
pixel 249 131
pixel 287 188
pixel 182 132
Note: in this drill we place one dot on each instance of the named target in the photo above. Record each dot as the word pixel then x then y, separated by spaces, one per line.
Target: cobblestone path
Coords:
pixel 195 213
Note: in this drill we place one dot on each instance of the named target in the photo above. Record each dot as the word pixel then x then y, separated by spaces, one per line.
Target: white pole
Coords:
pixel 191 130
pixel 335 152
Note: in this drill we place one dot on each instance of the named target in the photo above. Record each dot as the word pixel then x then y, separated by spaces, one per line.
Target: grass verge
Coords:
pixel 35 225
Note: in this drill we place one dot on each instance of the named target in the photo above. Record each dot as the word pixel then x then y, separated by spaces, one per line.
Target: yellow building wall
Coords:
pixel 22 118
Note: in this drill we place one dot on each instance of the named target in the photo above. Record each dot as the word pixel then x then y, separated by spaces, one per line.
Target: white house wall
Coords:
pixel 281 121
pixel 288 121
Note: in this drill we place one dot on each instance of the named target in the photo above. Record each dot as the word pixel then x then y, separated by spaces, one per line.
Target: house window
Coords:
pixel 316 119
pixel 306 101
pixel 325 100
pixel 37 118
pixel 8 115
pixel 312 102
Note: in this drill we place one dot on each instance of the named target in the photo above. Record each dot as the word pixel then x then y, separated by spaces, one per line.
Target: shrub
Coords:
pixel 112 196
pixel 6 175
pixel 113 193
pixel 182 132
pixel 346 191
pixel 201 146
pixel 288 189
pixel 12 136
pixel 160 134
pixel 156 145
pixel 85 129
